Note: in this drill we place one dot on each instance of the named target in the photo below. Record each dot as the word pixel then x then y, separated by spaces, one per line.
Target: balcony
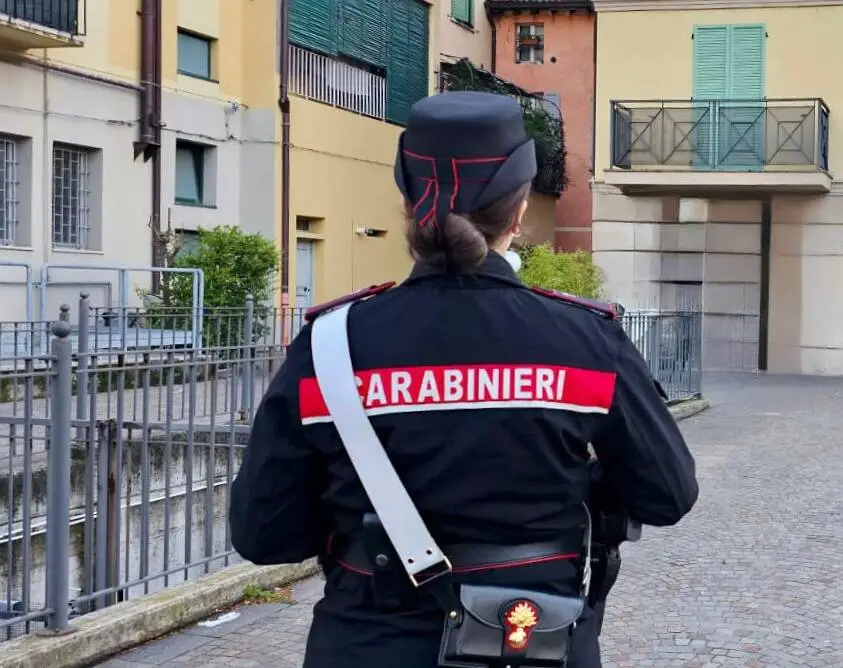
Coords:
pixel 42 24
pixel 340 84
pixel 704 147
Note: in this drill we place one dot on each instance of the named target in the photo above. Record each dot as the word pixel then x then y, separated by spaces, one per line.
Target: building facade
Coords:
pixel 547 47
pixel 94 93
pixel 465 31
pixel 716 176
pixel 355 69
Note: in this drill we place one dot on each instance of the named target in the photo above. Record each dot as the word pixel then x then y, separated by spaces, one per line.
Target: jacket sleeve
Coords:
pixel 275 511
pixel 641 450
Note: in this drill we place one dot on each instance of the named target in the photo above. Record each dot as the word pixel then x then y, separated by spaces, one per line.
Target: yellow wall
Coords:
pixel 649 56
pixel 342 173
pixel 244 57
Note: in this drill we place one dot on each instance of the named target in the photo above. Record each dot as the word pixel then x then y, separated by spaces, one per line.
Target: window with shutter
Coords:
pixel 728 97
pixel 407 64
pixel 463 11
pixel 313 24
pixel 711 78
pixel 363 30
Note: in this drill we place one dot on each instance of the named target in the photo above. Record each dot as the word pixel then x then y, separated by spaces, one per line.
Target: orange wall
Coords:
pixel 569 38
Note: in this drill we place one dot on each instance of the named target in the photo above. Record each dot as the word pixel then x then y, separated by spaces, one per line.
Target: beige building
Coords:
pixel 465 31
pixel 82 129
pixel 715 179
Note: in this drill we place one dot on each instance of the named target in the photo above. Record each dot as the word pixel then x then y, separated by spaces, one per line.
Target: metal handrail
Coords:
pixel 720 134
pixel 64 16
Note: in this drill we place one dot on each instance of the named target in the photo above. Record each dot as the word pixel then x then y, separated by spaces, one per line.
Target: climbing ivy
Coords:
pixel 544 127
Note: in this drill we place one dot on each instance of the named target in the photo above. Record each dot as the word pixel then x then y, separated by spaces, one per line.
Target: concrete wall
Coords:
pixel 132 520
pixel 806 270
pixel 569 39
pixel 668 253
pixel 38 108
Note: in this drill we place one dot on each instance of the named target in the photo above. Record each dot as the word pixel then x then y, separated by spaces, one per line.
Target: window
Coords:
pixel 9 182
pixel 462 11
pixel 194 55
pixel 529 43
pixel 71 196
pixel 552 104
pixel 187 241
pixel 190 173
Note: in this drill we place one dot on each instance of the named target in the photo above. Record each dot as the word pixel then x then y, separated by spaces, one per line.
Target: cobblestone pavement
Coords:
pixel 752 578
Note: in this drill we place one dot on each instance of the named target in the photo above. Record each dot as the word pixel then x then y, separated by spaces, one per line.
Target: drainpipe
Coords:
pixel 284 105
pixel 594 100
pixel 159 247
pixel 494 64
pixel 149 141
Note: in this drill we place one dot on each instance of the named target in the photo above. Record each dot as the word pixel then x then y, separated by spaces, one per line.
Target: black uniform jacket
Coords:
pixel 485 395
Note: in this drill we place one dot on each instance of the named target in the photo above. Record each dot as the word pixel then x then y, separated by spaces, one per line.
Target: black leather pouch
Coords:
pixel 499 626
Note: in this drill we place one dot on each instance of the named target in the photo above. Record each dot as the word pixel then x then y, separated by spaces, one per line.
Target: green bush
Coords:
pixel 235 265
pixel 574 273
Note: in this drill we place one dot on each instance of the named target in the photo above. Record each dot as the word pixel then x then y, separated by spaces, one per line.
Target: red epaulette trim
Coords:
pixel 605 310
pixel 315 311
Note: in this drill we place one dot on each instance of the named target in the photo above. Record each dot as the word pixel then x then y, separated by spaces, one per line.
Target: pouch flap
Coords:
pixel 489 605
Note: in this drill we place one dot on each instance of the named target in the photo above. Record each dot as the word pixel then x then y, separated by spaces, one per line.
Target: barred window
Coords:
pixel 71 196
pixel 9 182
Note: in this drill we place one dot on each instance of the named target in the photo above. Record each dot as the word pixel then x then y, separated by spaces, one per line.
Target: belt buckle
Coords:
pixel 448 568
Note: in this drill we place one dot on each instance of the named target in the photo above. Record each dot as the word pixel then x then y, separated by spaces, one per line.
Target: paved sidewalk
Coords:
pixel 751 579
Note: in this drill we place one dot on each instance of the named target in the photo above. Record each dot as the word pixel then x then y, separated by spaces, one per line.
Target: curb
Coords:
pixel 106 632
pixel 689 408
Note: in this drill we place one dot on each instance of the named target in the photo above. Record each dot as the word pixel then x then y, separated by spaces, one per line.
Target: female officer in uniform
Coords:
pixel 484 394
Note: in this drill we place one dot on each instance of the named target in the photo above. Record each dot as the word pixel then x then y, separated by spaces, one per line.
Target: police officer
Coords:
pixel 484 393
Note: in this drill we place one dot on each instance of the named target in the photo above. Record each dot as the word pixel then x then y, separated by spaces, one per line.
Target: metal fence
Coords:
pixel 123 431
pixel 121 435
pixel 672 345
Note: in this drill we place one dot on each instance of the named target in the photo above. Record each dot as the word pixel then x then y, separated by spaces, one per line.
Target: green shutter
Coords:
pixel 728 68
pixel 363 30
pixel 407 66
pixel 711 62
pixel 461 11
pixel 746 56
pixel 743 124
pixel 711 80
pixel 313 24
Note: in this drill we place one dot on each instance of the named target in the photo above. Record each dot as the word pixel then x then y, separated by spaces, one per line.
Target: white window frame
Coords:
pixel 71 187
pixel 10 150
pixel 536 52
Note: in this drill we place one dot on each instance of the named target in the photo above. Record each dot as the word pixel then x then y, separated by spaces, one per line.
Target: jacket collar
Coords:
pixel 495 266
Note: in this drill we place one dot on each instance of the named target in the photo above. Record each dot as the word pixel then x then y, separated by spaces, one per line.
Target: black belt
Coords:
pixel 351 555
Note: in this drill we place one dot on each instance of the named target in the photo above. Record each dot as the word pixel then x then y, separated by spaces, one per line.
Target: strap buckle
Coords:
pixel 446 569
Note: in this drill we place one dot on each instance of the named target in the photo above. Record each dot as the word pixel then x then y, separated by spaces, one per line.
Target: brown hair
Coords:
pixel 462 242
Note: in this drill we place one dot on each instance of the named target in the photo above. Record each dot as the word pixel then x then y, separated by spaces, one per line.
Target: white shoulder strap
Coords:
pixel 397 512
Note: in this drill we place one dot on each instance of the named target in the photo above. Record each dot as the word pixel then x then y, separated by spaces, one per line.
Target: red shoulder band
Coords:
pixel 605 310
pixel 314 311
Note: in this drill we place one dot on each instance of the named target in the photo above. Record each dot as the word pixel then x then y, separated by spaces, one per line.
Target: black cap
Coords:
pixel 462 151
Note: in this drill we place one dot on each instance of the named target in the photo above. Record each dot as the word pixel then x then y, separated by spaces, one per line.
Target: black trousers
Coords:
pixel 349 631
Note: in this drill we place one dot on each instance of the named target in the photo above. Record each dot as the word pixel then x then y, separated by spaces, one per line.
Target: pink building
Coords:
pixel 548 47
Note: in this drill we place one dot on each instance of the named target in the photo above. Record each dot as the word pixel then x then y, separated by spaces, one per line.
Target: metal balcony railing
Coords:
pixel 340 84
pixel 67 16
pixel 722 135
